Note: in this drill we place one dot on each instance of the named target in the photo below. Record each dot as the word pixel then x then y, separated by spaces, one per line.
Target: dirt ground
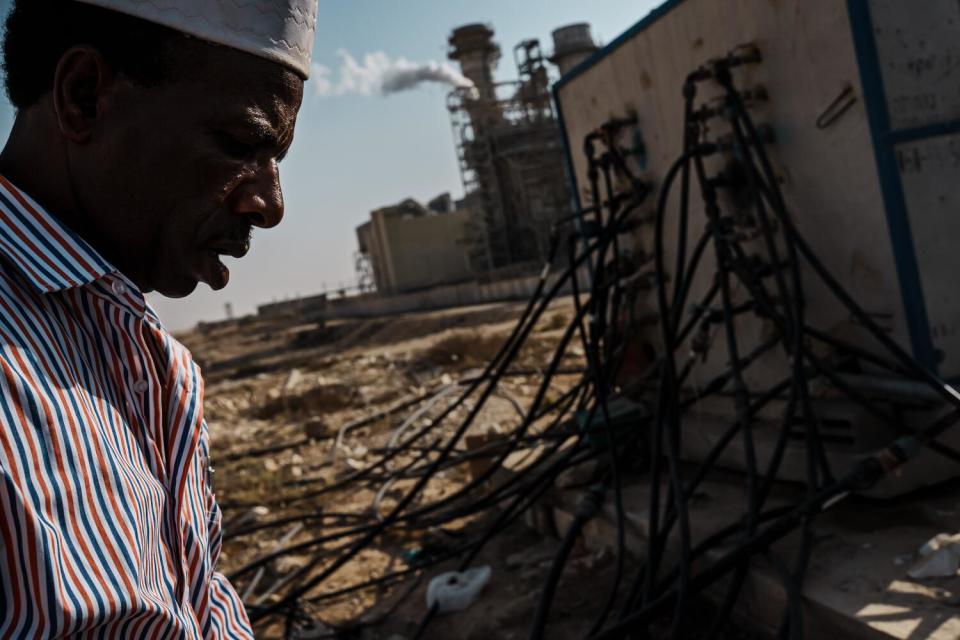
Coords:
pixel 278 393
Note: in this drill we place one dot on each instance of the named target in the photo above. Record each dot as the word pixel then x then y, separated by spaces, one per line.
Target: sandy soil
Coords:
pixel 278 393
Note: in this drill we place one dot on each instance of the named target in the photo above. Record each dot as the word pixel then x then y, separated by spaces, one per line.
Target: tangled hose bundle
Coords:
pixel 749 262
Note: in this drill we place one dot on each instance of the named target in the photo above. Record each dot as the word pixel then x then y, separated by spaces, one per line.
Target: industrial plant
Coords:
pixel 509 146
pixel 510 153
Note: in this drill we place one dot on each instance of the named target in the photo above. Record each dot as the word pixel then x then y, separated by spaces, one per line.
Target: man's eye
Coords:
pixel 235 148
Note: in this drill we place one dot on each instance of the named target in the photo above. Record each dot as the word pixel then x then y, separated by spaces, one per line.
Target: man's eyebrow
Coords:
pixel 254 123
pixel 267 135
pixel 264 131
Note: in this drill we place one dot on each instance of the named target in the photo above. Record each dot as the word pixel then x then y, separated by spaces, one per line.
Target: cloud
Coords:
pixel 320 79
pixel 377 73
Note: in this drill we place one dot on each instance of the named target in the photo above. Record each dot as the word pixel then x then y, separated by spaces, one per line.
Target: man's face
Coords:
pixel 175 177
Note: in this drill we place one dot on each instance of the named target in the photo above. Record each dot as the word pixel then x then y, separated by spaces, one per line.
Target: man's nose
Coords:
pixel 260 199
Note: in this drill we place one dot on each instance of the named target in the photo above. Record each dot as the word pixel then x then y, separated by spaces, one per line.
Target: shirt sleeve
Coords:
pixel 227 617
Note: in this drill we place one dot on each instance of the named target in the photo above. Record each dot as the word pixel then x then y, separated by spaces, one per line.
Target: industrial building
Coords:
pixel 509 146
pixel 408 246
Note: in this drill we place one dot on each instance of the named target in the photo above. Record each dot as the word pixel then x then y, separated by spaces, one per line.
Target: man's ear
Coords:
pixel 80 84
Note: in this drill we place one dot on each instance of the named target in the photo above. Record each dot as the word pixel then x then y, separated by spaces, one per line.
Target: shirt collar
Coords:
pixel 49 254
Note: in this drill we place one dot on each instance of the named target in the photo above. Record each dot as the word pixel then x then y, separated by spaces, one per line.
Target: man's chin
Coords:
pixel 179 284
pixel 213 272
pixel 219 286
pixel 180 289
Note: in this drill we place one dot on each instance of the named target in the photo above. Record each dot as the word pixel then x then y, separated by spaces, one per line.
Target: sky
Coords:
pixel 356 150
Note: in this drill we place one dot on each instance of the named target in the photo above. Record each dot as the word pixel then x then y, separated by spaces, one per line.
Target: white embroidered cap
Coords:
pixel 279 30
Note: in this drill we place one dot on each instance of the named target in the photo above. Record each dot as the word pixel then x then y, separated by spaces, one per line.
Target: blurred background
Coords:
pixel 357 149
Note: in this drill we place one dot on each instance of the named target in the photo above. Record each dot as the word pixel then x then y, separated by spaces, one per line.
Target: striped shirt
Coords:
pixel 108 523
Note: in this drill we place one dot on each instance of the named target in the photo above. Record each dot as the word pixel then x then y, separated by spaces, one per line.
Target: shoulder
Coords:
pixel 26 318
pixel 30 372
pixel 180 356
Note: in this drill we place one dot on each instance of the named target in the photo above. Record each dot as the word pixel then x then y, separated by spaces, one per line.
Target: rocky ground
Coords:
pixel 278 396
pixel 298 410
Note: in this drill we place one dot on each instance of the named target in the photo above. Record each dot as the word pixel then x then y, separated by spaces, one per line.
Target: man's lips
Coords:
pixel 215 273
pixel 232 248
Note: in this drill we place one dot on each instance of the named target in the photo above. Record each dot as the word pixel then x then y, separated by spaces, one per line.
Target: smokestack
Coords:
pixel 473 47
pixel 572 45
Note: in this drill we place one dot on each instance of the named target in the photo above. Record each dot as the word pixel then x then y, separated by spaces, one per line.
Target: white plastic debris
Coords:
pixel 939 557
pixel 455 591
pixel 293 381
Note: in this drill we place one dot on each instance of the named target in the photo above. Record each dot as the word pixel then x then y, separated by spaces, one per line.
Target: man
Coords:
pixel 145 146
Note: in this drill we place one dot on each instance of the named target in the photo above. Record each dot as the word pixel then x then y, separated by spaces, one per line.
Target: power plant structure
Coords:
pixel 509 146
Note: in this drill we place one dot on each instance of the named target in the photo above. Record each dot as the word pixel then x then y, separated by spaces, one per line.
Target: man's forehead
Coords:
pixel 230 68
pixel 244 87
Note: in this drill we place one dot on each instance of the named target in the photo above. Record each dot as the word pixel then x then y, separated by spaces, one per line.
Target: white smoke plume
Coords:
pixel 378 73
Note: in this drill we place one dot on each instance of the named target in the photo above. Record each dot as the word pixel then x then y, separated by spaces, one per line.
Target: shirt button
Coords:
pixel 119 288
pixel 141 386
